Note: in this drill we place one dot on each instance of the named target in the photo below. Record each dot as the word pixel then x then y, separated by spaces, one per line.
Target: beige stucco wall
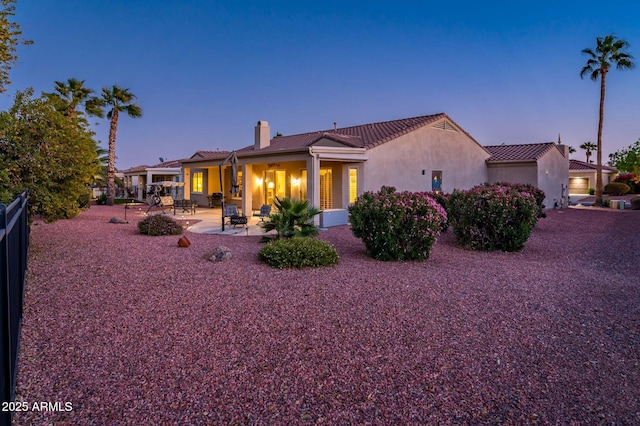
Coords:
pixel 549 174
pixel 526 172
pixel 401 162
pixel 553 177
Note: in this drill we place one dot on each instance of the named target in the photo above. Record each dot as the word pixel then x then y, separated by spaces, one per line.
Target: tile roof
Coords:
pixel 582 165
pixel 143 167
pixel 207 155
pixel 524 152
pixel 139 168
pixel 361 136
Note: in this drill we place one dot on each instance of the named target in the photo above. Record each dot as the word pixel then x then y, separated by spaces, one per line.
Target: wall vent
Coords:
pixel 445 125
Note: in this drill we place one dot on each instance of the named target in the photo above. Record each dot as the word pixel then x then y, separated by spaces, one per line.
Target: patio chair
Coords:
pixel 265 211
pixel 235 218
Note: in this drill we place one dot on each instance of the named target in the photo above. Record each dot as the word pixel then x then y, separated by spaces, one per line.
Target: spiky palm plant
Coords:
pixel 293 218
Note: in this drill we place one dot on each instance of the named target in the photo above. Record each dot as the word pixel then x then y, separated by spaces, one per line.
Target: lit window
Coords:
pixel 353 185
pixel 197 182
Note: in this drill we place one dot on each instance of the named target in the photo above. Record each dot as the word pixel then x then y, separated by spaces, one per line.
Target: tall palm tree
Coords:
pixel 71 94
pixel 116 99
pixel 589 147
pixel 609 51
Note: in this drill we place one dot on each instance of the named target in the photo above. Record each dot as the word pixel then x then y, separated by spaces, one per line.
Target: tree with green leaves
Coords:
pixel 47 153
pixel 610 51
pixel 589 147
pixel 116 100
pixel 10 38
pixel 627 159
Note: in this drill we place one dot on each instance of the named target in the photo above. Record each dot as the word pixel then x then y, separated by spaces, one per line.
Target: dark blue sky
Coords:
pixel 206 71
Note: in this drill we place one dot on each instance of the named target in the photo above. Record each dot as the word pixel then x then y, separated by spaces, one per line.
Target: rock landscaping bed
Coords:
pixel 135 330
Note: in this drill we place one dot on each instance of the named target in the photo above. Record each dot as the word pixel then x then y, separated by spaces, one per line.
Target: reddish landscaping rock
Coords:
pixel 158 335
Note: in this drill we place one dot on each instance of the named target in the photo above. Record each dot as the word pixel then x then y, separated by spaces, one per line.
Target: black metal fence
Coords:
pixel 14 248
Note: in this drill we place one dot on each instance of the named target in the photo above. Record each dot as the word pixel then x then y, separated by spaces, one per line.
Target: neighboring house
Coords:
pixel 544 165
pixel 137 179
pixel 332 167
pixel 582 176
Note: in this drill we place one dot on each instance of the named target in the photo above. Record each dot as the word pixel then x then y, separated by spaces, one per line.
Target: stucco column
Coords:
pixel 247 189
pixel 313 183
pixel 186 178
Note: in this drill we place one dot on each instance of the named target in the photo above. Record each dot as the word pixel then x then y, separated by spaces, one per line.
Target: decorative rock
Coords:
pixel 219 254
pixel 184 242
pixel 117 220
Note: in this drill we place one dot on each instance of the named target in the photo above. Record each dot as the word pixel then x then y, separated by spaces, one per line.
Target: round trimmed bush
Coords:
pixel 635 203
pixel 158 225
pixel 397 225
pixel 537 193
pixel 298 252
pixel 616 188
pixel 492 217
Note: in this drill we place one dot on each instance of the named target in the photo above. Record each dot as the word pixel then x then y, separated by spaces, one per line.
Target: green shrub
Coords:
pixel 630 179
pixel 293 218
pixel 159 224
pixel 616 188
pixel 397 225
pixel 84 201
pixel 298 252
pixel 102 200
pixel 592 191
pixel 492 217
pixel 635 203
pixel 606 203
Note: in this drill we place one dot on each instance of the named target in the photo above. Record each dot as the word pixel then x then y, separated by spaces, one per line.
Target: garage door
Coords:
pixel 578 185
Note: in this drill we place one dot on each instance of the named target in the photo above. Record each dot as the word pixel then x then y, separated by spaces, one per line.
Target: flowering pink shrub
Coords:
pixel 397 225
pixel 442 199
pixel 537 193
pixel 492 217
pixel 630 179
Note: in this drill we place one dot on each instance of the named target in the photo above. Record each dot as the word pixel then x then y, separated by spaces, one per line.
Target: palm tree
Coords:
pixel 572 150
pixel 589 147
pixel 70 95
pixel 116 99
pixel 609 51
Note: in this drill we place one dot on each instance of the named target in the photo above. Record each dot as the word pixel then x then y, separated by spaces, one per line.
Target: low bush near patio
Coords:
pixel 298 252
pixel 158 225
pixel 397 225
pixel 492 217
pixel 635 203
pixel 616 188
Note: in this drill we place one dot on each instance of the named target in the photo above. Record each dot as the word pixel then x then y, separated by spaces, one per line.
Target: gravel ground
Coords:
pixel 134 330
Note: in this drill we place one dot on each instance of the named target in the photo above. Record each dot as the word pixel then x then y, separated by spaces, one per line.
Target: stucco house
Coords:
pixel 544 165
pixel 137 179
pixel 582 176
pixel 332 167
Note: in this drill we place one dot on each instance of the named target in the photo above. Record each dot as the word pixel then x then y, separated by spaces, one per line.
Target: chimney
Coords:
pixel 263 138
